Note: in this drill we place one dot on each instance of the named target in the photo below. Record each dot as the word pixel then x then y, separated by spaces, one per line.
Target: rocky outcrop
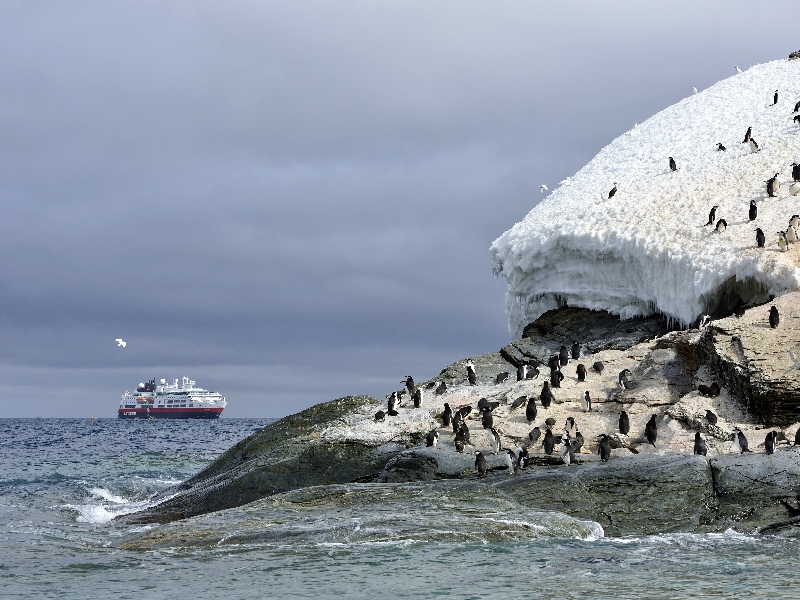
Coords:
pixel 759 364
pixel 593 330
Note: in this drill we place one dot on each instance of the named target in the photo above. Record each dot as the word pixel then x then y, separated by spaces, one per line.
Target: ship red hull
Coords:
pixel 169 413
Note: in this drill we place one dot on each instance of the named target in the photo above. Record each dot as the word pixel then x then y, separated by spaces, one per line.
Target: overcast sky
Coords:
pixel 294 201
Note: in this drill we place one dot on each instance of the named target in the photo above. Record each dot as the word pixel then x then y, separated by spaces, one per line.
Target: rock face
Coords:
pixel 593 330
pixel 759 364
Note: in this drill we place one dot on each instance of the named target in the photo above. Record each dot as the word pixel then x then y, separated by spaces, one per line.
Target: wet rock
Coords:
pixel 638 495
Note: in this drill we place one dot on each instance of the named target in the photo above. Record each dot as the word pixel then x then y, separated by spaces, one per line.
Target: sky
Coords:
pixel 291 202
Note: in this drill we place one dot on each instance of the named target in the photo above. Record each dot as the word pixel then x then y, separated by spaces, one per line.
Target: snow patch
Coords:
pixel 647 249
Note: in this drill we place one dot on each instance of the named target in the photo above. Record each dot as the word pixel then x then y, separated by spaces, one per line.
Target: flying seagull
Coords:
pixel 543 188
pixel 121 343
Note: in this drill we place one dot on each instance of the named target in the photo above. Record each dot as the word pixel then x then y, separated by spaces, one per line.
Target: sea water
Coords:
pixel 62 481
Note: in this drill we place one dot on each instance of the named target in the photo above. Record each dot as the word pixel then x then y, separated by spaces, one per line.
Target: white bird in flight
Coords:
pixel 121 342
pixel 543 188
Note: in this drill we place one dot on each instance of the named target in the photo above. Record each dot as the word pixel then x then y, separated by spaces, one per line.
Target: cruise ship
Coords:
pixel 176 401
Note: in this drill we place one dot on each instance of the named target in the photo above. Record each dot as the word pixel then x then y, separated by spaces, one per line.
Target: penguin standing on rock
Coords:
pixel 598 367
pixel 797 437
pixel 612 192
pixel 549 442
pixel 432 438
pixel 380 416
pixel 791 234
pixel 461 438
pixel 722 225
pixel 417 397
pixel 783 243
pixel 447 415
pixel 672 165
pixel 711 418
pixel 576 351
pixel 555 378
pixel 511 461
pixel 624 423
pixel 486 419
pixel 740 441
pixel 769 442
pixel 563 356
pixel 409 381
pixel 753 210
pixel 774 317
pixel 501 377
pixel 651 431
pixel 747 135
pixel 581 371
pixel 753 146
pixel 775 98
pixel 494 440
pixel 700 448
pixel 480 464
pixel 760 239
pixel 546 396
pixel 393 405
pixel 795 172
pixel 471 376
pixel 567 454
pixel 535 433
pixel 796 107
pixel 522 372
pixel 530 410
pixel 604 447
pixel 712 214
pixel 586 402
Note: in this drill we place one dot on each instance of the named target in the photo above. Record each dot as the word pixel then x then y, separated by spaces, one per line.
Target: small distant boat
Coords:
pixel 176 401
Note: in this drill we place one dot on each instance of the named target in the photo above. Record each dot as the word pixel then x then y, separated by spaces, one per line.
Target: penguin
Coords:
pixel 563 356
pixel 711 417
pixel 712 215
pixel 432 438
pixel 522 458
pixel 714 390
pixel 461 438
pixel 624 378
pixel 550 422
pixel 704 390
pixel 392 413
pixel 519 402
pixel 431 384
pixel 753 210
pixel 441 388
pixel 567 453
pixel 773 185
pixel 522 372
pixel 555 379
pixel 549 442
pixel 581 370
pixel 417 398
pixel 796 107
pixel 464 410
pixel 535 433
pixel 494 440
pixel 651 431
pixel 576 350
pixel 760 239
pixel 409 381
pixel 487 420
pixel 577 443
pixel 586 402
pixel 598 367
pixel 624 423
pixel 783 243
pixel 753 146
pixel 569 426
pixel 511 461
pixel 722 225
pixel 480 464
pixel 501 377
pixel 393 403
pixel 458 419
pixel 791 234
pixel 795 172
pixel 797 437
pixel 604 447
pixel 795 221
pixel 471 376
pixel 769 442
pixel 700 448
pixel 721 148
pixel 532 373
pixel 380 416
pixel 612 192
pixel 672 165
pixel 530 410
pixel 796 119
pixel 447 415
pixel 775 98
pixel 774 317
pixel 741 441
pixel 546 396
pixel 747 135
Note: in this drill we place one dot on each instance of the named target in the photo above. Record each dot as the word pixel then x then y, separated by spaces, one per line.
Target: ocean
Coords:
pixel 63 480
